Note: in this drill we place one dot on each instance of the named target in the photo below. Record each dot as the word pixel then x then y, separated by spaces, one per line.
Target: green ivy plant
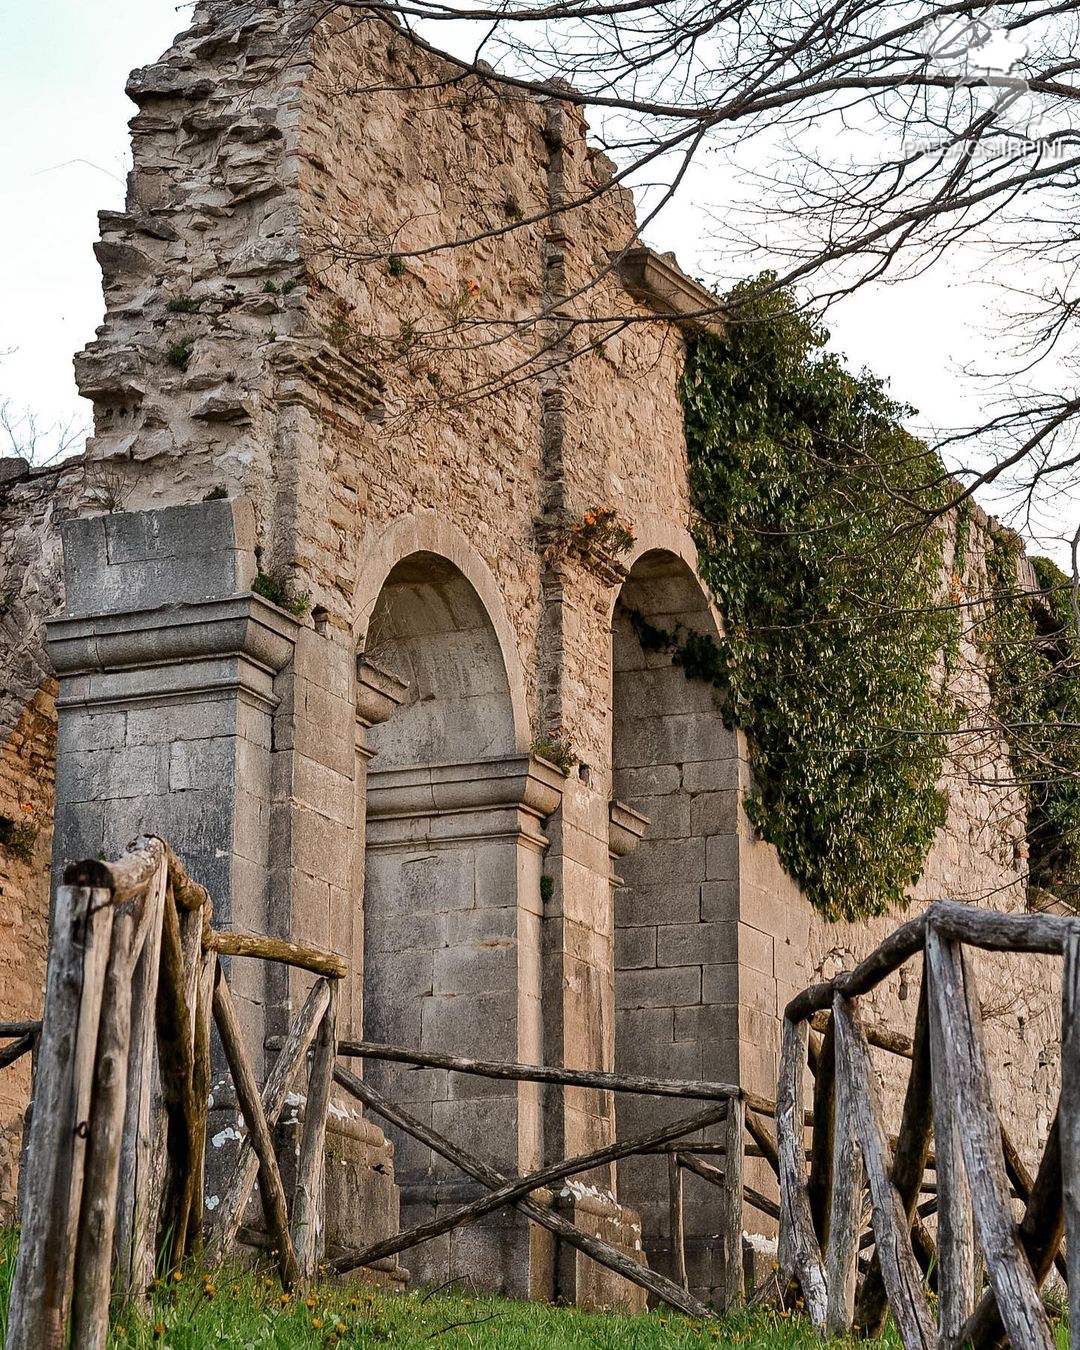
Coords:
pixel 811 526
pixel 1033 656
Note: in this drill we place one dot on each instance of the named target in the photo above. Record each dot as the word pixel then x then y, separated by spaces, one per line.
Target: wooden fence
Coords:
pixel 851 1278
pixel 112 1186
pixel 113 1178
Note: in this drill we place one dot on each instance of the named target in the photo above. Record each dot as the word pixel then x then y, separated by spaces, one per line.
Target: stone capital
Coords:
pixel 167 653
pixel 450 803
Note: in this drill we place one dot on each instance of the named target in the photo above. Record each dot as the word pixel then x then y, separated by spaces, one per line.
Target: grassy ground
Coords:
pixel 245 1310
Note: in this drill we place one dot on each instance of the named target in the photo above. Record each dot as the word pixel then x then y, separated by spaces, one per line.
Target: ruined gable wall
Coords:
pixel 339 397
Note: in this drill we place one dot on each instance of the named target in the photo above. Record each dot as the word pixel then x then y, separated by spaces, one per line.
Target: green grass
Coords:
pixel 244 1309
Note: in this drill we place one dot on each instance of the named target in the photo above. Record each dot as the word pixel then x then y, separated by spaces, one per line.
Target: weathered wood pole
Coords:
pixel 140 1149
pixel 845 1205
pixel 308 1218
pixel 38 1313
pixel 899 1269
pixel 601 1252
pixel 250 1103
pixel 800 1253
pixel 968 1079
pixel 956 1228
pixel 229 1213
pixel 1069 1115
pixel 676 1225
pixel 730 1214
pixel 911 1152
pixel 523 1186
pixel 97 1221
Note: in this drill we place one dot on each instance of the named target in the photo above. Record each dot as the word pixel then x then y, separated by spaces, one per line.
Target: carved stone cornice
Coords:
pixel 625 828
pixel 378 693
pixel 658 282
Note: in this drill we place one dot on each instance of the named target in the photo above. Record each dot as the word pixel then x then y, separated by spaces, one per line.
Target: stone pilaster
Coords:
pixel 168 669
pixel 452 963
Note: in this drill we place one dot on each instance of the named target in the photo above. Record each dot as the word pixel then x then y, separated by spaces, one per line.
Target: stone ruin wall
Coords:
pixel 251 171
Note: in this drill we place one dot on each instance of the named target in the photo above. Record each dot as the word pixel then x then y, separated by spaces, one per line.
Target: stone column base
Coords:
pixel 502 1253
pixel 581 1280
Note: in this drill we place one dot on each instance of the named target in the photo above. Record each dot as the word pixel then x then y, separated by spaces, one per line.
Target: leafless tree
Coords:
pixel 859 142
pixel 23 435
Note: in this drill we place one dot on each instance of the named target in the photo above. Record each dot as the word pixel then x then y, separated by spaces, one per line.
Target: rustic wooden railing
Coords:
pixel 112 1187
pixel 978 1176
pixel 728 1107
pixel 115 1154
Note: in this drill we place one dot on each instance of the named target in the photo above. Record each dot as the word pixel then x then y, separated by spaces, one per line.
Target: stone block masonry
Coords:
pixel 356 769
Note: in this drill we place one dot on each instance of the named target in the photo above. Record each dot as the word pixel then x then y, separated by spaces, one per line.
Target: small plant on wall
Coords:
pixel 557 748
pixel 278 593
pixel 18 837
pixel 601 532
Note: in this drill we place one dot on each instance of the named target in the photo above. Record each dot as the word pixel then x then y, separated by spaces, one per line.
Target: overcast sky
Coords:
pixel 64 154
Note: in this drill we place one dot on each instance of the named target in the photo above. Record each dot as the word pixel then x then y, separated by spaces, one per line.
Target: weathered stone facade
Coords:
pixel 271 397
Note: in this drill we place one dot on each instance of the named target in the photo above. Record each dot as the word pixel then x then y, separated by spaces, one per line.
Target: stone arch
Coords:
pixel 430 630
pixel 676 764
pixel 453 847
pixel 428 533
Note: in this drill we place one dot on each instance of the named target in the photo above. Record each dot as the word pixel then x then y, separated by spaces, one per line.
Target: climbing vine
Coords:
pixel 1033 656
pixel 811 528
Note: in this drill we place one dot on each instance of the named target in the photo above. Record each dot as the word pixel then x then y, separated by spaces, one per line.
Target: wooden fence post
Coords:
pixel 899 1269
pixel 731 1205
pixel 247 1094
pixel 1069 1117
pixel 800 1253
pixel 45 1265
pixel 955 1231
pixel 97 1222
pixel 136 1219
pixel 968 1081
pixel 844 1206
pixel 308 1219
pixel 229 1214
pixel 676 1225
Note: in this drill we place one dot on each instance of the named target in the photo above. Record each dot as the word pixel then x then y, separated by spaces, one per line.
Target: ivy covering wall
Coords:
pixel 812 504
pixel 1034 662
pixel 819 535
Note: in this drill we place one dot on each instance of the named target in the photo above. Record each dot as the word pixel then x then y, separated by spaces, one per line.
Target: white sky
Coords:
pixel 64 154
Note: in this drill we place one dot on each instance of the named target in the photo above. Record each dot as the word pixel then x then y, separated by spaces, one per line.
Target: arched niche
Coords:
pixel 676 993
pixel 430 630
pixel 452 903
